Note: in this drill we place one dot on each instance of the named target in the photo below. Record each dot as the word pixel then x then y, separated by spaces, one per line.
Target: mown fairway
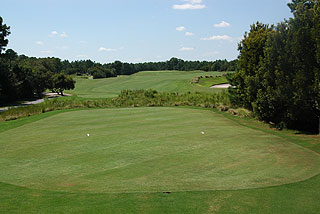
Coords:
pixel 134 155
pixel 171 81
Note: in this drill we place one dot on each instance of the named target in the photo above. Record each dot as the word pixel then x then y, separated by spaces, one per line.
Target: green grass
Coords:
pixel 49 165
pixel 168 81
pixel 208 82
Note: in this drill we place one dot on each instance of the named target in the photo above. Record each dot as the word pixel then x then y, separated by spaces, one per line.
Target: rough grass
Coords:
pixel 49 165
pixel 127 98
pixel 162 81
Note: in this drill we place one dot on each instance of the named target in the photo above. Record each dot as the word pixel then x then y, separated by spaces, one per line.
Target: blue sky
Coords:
pixel 135 30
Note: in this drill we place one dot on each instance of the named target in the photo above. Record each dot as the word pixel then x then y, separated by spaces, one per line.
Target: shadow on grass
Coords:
pixel 307 133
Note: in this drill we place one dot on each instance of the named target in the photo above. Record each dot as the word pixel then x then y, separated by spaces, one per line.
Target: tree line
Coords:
pixel 98 70
pixel 278 73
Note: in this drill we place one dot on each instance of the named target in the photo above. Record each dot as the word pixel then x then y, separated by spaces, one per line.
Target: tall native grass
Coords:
pixel 127 98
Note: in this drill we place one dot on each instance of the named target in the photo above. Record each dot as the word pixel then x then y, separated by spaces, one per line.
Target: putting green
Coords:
pixel 148 150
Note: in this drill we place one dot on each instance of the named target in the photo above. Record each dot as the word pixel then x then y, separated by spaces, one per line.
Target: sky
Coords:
pixel 135 30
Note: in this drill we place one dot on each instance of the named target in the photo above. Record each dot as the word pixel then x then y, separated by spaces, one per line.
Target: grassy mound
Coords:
pixel 157 150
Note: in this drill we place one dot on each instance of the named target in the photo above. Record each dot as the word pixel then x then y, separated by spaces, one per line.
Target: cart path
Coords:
pixel 49 95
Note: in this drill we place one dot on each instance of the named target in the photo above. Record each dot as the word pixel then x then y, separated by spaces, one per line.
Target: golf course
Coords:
pixel 160 107
pixel 179 159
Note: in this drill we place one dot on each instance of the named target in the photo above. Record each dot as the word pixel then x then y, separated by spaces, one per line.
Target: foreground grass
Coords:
pixel 299 197
pixel 162 81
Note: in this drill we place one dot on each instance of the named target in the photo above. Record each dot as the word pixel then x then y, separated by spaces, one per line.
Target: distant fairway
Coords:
pixel 148 150
pixel 171 81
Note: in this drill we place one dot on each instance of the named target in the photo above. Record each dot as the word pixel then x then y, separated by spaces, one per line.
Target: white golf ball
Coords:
pixel 202 132
pixel 88 135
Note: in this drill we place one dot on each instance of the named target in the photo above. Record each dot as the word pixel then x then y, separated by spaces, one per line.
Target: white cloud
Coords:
pixel 188 6
pixel 224 37
pixel 54 33
pixel 189 34
pixel 63 35
pixel 39 43
pixel 180 28
pixel 106 49
pixel 193 1
pixel 222 24
pixel 186 49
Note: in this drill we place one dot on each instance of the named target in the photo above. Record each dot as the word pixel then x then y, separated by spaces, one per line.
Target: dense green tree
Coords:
pixel 117 65
pixel 127 69
pixel 61 82
pixel 4 32
pixel 303 44
pixel 98 74
pixel 272 101
pixel 248 80
pixel 99 71
pixel 224 65
pixel 11 55
pixel 172 63
pixel 6 77
pixel 6 81
pixel 279 69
